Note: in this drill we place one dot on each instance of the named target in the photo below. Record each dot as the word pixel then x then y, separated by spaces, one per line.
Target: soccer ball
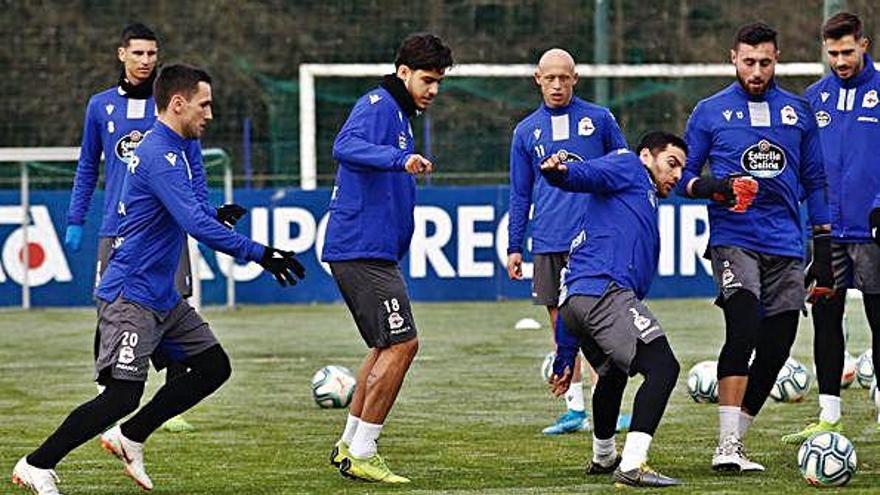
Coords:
pixel 547 366
pixel 703 382
pixel 333 386
pixel 827 459
pixel 865 369
pixel 792 382
pixel 849 370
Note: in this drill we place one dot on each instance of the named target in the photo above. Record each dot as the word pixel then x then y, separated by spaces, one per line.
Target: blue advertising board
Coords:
pixel 458 250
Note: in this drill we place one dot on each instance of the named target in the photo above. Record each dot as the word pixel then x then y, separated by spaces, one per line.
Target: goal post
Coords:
pixel 23 157
pixel 309 72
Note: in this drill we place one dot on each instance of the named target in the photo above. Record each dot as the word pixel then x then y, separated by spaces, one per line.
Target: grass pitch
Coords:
pixel 468 419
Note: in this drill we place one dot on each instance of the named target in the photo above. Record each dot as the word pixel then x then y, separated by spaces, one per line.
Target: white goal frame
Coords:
pixel 309 72
pixel 23 156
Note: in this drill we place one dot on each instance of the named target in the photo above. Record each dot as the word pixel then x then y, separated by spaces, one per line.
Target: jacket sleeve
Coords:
pixel 699 141
pixel 353 147
pixel 87 167
pixel 172 186
pixel 522 180
pixel 614 138
pixel 812 173
pixel 605 174
pixel 199 176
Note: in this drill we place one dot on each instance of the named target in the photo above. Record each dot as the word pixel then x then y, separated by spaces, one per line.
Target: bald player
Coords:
pixel 575 130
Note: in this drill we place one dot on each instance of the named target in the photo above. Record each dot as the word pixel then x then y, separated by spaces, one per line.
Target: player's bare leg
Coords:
pixel 340 449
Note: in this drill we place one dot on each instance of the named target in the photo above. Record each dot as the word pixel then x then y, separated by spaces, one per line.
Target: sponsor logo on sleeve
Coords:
pixel 764 160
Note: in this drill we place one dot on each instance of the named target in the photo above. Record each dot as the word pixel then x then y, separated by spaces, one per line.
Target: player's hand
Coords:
pixel 736 191
pixel 230 214
pixel 554 164
pixel 874 222
pixel 417 164
pixel 514 266
pixel 819 277
pixel 743 189
pixel 559 384
pixel 283 265
pixel 73 238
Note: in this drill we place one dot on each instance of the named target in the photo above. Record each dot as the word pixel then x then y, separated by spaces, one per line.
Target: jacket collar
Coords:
pixel 141 91
pixel 865 75
pixel 394 86
pixel 168 134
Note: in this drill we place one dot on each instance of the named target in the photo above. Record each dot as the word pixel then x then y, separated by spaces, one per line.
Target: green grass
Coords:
pixel 468 419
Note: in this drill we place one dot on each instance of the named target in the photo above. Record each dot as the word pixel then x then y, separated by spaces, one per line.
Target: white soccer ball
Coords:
pixel 333 386
pixel 703 382
pixel 547 366
pixel 792 382
pixel 849 370
pixel 827 459
pixel 865 369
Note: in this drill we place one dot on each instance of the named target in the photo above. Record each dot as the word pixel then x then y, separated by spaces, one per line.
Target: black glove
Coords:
pixel 874 222
pixel 819 278
pixel 229 214
pixel 736 191
pixel 283 265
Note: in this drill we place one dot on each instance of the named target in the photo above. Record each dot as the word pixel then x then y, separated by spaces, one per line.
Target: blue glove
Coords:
pixel 567 346
pixel 73 238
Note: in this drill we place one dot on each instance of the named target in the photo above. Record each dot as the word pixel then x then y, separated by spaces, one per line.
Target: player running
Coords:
pixel 762 146
pixel 846 106
pixel 141 316
pixel 579 131
pixel 612 262
pixel 369 231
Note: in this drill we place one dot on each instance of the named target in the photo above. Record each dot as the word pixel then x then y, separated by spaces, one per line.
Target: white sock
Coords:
pixel 830 406
pixel 728 421
pixel 363 443
pixel 351 425
pixel 745 421
pixel 603 449
pixel 635 450
pixel 574 398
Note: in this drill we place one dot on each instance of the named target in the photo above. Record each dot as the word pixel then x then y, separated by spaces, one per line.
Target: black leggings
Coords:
pixel 208 370
pixel 771 350
pixel 660 368
pixel 828 343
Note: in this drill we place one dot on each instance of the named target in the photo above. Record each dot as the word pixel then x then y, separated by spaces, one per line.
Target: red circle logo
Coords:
pixel 36 255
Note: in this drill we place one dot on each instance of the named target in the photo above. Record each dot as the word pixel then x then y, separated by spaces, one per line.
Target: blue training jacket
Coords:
pixel 371 209
pixel 619 241
pixel 114 125
pixel 157 208
pixel 773 138
pixel 582 131
pixel 848 116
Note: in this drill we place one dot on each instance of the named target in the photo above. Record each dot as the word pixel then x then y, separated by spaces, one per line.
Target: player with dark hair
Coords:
pixel 611 264
pixel 115 123
pixel 764 155
pixel 847 109
pixel 141 316
pixel 369 231
pixel 580 131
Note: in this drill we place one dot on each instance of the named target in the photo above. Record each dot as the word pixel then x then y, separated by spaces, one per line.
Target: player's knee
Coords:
pixel 213 365
pixel 733 360
pixel 408 348
pixel 122 397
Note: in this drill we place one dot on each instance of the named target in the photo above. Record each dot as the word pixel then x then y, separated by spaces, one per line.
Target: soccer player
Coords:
pixel 764 155
pixel 579 131
pixel 115 123
pixel 846 106
pixel 141 316
pixel 369 231
pixel 611 264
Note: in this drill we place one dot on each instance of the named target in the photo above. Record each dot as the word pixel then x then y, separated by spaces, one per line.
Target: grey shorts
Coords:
pixel 545 277
pixel 857 266
pixel 131 335
pixel 375 293
pixel 776 281
pixel 182 279
pixel 610 327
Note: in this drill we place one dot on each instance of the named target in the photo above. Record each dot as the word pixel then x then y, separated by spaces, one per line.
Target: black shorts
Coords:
pixel 856 265
pixel 545 277
pixel 375 293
